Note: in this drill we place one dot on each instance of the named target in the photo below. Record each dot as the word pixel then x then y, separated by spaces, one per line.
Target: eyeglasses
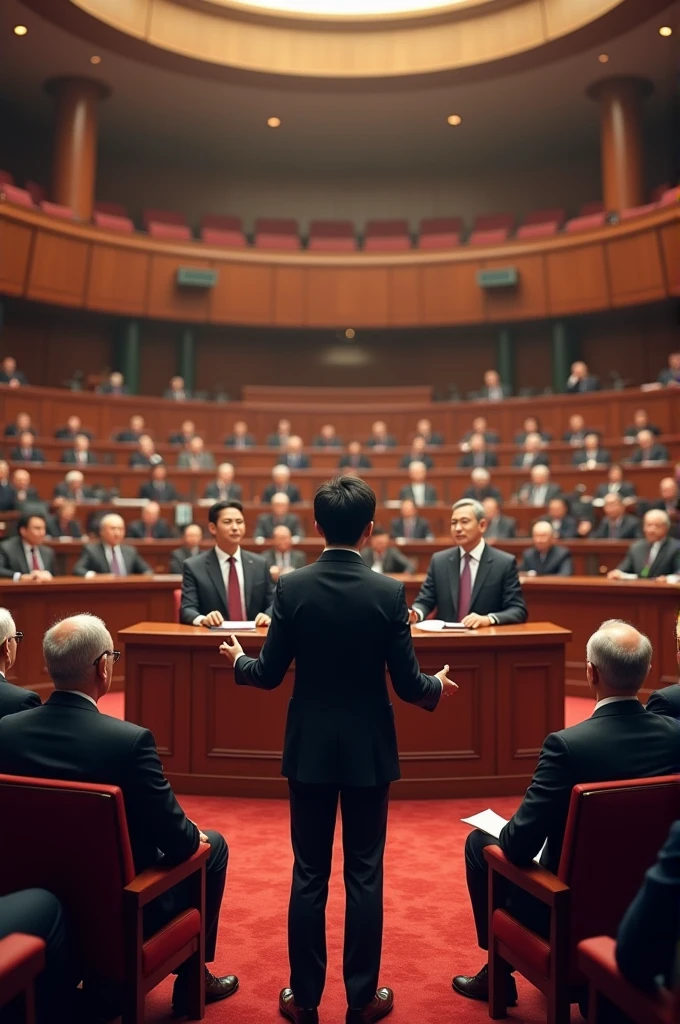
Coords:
pixel 18 636
pixel 107 654
pixel 677 642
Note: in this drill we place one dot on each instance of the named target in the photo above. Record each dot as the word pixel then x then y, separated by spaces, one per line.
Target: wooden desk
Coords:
pixel 221 739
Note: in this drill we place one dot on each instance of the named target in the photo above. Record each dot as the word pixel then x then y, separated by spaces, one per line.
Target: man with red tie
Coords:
pixel 226 583
pixel 26 556
pixel 109 556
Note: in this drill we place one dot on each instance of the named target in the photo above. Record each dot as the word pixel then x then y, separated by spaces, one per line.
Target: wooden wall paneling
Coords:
pixel 58 271
pixel 243 294
pixel 670 246
pixel 525 302
pixel 530 704
pixel 168 301
pixel 158 691
pixel 118 280
pixel 405 296
pixel 450 294
pixel 15 251
pixel 348 297
pixel 635 269
pixel 577 279
pixel 289 290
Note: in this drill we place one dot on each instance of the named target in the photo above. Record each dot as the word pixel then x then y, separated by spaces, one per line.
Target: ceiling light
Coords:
pixel 20 30
pixel 274 122
pixel 665 30
pixel 95 60
pixel 603 58
pixel 454 119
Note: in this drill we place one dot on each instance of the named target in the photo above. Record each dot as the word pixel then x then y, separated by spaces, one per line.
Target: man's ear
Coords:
pixel 591 675
pixel 319 530
pixel 213 529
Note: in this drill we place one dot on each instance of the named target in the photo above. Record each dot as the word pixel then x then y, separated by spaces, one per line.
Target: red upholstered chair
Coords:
pixel 671 195
pixel 332 236
pixel 637 211
pixel 87 863
pixel 57 210
pixel 597 963
pixel 587 222
pixel 112 217
pixel 222 230
pixel 544 230
pixel 177 602
pixel 36 191
pixel 584 898
pixel 542 223
pixel 440 232
pixel 13 194
pixel 491 228
pixel 167 224
pixel 6 178
pixel 386 236
pixel 22 958
pixel 276 233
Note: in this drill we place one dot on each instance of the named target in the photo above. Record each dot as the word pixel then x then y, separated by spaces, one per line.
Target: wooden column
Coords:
pixel 621 150
pixel 74 159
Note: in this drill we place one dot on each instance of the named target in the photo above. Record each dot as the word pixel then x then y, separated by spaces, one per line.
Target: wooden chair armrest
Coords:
pixel 535 880
pixel 155 881
pixel 597 960
pixel 22 958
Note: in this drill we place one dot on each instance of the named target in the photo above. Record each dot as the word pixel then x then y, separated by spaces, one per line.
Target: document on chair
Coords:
pixel 235 627
pixel 437 625
pixel 491 823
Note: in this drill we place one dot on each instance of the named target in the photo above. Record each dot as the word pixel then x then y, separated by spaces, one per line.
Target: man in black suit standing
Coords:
pixel 158 487
pixel 151 526
pixel 620 741
pixel 26 556
pixel 409 525
pixel 341 624
pixel 498 526
pixel 471 583
pixel 192 537
pixel 68 738
pixel 226 582
pixel 656 556
pixel 580 379
pixel 380 556
pixel 224 488
pixel 12 698
pixel 109 556
pixel 545 558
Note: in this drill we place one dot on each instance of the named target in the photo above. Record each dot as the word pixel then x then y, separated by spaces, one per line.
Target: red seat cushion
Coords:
pixel 57 210
pixel 585 223
pixel 542 230
pixel 265 240
pixel 216 236
pixel 637 211
pixel 17 195
pixel 440 240
pixel 387 243
pixel 178 232
pixel 533 949
pixel 492 236
pixel 112 222
pixel 161 946
pixel 329 244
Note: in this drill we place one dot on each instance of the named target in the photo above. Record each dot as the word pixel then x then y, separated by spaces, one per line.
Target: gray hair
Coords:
pixel 7 626
pixel 73 475
pixel 476 507
pixel 72 645
pixel 109 517
pixel 665 518
pixel 622 665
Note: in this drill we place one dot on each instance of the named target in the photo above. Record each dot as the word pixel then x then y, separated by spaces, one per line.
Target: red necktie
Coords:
pixel 234 603
pixel 35 564
pixel 464 589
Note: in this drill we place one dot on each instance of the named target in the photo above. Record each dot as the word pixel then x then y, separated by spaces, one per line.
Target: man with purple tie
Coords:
pixel 108 556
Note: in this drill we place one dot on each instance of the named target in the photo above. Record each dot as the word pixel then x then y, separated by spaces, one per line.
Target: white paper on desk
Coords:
pixel 491 823
pixel 438 625
pixel 235 627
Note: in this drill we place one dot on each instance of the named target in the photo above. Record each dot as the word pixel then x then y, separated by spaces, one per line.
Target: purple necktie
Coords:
pixel 115 564
pixel 464 589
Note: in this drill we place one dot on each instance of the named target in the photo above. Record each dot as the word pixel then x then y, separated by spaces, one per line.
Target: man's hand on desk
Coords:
pixel 412 616
pixel 212 619
pixel 262 620
pixel 475 621
pixel 36 574
pixel 448 685
pixel 615 574
pixel 231 649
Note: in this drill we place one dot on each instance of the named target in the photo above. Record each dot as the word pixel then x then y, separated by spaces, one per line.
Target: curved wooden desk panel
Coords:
pixel 69 264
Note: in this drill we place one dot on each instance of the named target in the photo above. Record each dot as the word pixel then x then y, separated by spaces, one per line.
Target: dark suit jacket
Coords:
pixel 556 563
pixel 426 459
pixel 35 456
pixel 264 527
pixel 480 493
pixel 389 442
pixel 64 434
pixel 234 491
pixel 107 389
pixel 179 557
pixel 17 375
pixel 63 490
pixel 619 741
pixel 657 453
pixel 581 457
pixel 590 383
pixel 626 490
pixel 178 438
pixel 527 490
pixel 167 491
pixel 393 560
pixel 291 490
pixel 520 438
pixel 161 530
pixel 340 729
pixel 421 528
pixel 467 460
pixel 501 528
pixel 539 459
pixel 11 430
pixel 300 463
pixel 203 589
pixel 431 496
pixel 14 698
pixel 276 441
pixel 568 527
pixel 633 431
pixel 578 437
pixel 667 560
pixel 70 456
pixel 362 462
pixel 54 530
pixel 490 436
pixel 93 559
pixel 185 396
pixel 297 558
pixel 13 559
pixel 434 440
pixel 250 441
pixel 68 738
pixel 127 437
pixel 484 392
pixel 8 497
pixel 628 528
pixel 137 459
pixel 497 589
pixel 320 442
pixel 665 377
pixel 666 701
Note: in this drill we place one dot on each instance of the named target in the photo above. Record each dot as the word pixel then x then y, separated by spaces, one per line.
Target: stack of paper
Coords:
pixel 438 625
pixel 235 627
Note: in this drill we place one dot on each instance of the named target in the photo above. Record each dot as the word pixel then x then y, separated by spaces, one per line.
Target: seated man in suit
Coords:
pixel 12 698
pixel 327 437
pixel 477 454
pixel 355 457
pixel 281 437
pixel 74 427
pixel 63 523
pixel 226 582
pixel 494 390
pixel 545 557
pixel 133 432
pixel 150 526
pixel 224 487
pixel 192 535
pixel 532 453
pixel 580 379
pixel 280 485
pixel 72 488
pixel 7 493
pixel 564 525
pixel 498 526
pixel 666 701
pixel 670 377
pixel 68 738
pixel 176 391
pixel 240 436
pixel 620 741
pixel 418 490
pixel 577 432
pixel 158 487
pixel 431 438
pixel 380 439
pixel 25 450
pixel 481 486
pixel 115 385
pixel 26 557
pixel 146 454
pixel 417 453
pixel 640 422
pixel 479 426
pixel 281 557
pixel 615 485
pixel 108 555
pixel 184 435
pixel 196 457
pixel 540 490
pixel 280 515
pixel 381 556
pixel 531 426
pixel 80 453
pixel 471 583
pixel 616 524
pixel 648 450
pixel 409 525
pixel 591 456
pixel 21 486
pixel 22 425
pixel 669 502
pixel 294 456
pixel 9 373
pixel 656 557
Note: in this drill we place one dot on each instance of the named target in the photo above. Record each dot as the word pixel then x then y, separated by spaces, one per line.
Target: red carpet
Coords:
pixel 428 925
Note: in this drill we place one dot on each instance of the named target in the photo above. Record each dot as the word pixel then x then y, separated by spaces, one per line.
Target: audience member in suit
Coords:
pixel 657 556
pixel 616 485
pixel 80 453
pixel 620 741
pixel 540 491
pixel 21 486
pixel 545 557
pixel 340 741
pixel 281 485
pixel 327 437
pixel 115 385
pixel 7 492
pixel 68 738
pixel 532 453
pixel 565 525
pixel 108 555
pixel 22 425
pixel 666 701
pixel 670 377
pixel 192 535
pixel 616 523
pixel 177 392
pixel 418 490
pixel 195 456
pixel 184 435
pixel 669 502
pixel 25 451
pixel 282 436
pixel 479 426
pixel 133 432
pixel 158 487
pixel 63 522
pixel 498 526
pixel 381 556
pixel 417 454
pixel 649 449
pixel 591 456
pixel 12 698
pixel 10 375
pixel 354 457
pixel 481 486
pixel 240 436
pixel 224 487
pixel 477 456
pixel 73 488
pixel 640 422
pixel 471 583
pixel 281 557
pixel 531 426
pixel 280 515
pixel 380 440
pixel 226 582
pixel 431 438
pixel 26 556
pixel 150 526
pixel 294 457
pixel 409 525
pixel 494 390
pixel 74 427
pixel 580 379
pixel 146 454
pixel 578 431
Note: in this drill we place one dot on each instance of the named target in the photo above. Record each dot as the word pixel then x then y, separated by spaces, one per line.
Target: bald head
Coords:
pixel 619 658
pixel 112 528
pixel 70 649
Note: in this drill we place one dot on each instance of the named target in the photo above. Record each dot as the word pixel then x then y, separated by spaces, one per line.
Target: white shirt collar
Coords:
pixel 611 700
pixel 476 553
pixel 223 557
pixel 86 696
pixel 338 547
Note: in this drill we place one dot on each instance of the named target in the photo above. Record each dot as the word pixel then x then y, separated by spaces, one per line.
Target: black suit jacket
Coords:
pixel 421 528
pixel 234 491
pixel 501 528
pixel 17 375
pixel 568 529
pixel 64 434
pixel 340 728
pixel 127 437
pixel 13 559
pixel 15 698
pixel 68 738
pixel 264 527
pixel 526 493
pixel 63 490
pixel 389 442
pixel 426 459
pixel 70 456
pixel 626 490
pixel 556 563
pixel 178 438
pixel 666 377
pixel 393 560
pixel 520 438
pixel 11 430
pixel 628 528
pixel 165 492
pixel 480 493
pixel 497 589
pixel 667 559
pixel 657 453
pixel 291 490
pixel 431 496
pixel 619 741
pixel 108 389
pixel 633 431
pixel 54 530
pixel 539 459
pixel 175 397
pixel 7 497
pixel 581 457
pixel 484 392
pixel 93 559
pixel 161 530
pixel 179 557
pixel 297 558
pixel 35 456
pixel 434 440
pixel 490 436
pixel 320 442
pixel 590 383
pixel 666 701
pixel 467 460
pixel 295 463
pixel 249 439
pixel 355 461
pixel 203 589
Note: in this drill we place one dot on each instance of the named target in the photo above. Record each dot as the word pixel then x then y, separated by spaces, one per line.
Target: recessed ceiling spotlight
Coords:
pixel 665 30
pixel 454 119
pixel 95 60
pixel 20 30
pixel 603 58
pixel 274 122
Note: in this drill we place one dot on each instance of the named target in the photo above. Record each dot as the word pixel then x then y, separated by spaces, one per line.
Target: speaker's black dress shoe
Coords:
pixel 215 989
pixel 379 1007
pixel 289 1008
pixel 476 986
